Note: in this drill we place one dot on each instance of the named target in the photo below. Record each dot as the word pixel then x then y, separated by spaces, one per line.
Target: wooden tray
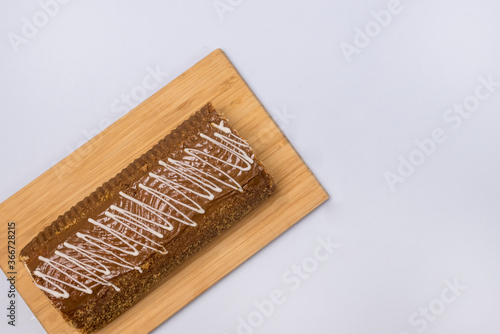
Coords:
pixel 54 192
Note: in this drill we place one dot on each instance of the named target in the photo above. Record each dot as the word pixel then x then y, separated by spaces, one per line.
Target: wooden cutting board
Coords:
pixel 58 189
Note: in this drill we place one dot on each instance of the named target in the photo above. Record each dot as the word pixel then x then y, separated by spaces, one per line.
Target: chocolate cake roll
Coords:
pixel 98 259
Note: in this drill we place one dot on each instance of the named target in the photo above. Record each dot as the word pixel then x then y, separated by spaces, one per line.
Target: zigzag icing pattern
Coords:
pixel 98 253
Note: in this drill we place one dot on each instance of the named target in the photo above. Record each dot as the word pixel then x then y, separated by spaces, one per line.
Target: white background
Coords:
pixel 350 121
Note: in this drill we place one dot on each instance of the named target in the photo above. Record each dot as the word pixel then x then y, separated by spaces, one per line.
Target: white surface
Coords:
pixel 397 248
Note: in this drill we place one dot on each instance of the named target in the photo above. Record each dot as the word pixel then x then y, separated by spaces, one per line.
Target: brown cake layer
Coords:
pixel 101 256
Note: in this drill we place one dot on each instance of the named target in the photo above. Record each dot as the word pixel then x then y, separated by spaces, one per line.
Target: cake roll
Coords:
pixel 101 256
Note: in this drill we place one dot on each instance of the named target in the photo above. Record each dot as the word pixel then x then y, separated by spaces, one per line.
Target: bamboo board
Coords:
pixel 57 190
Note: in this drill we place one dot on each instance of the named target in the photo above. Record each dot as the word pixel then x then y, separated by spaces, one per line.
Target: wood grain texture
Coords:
pixel 57 190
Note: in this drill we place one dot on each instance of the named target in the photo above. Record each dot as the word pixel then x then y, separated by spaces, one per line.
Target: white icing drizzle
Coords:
pixel 151 210
pixel 159 195
pixel 198 182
